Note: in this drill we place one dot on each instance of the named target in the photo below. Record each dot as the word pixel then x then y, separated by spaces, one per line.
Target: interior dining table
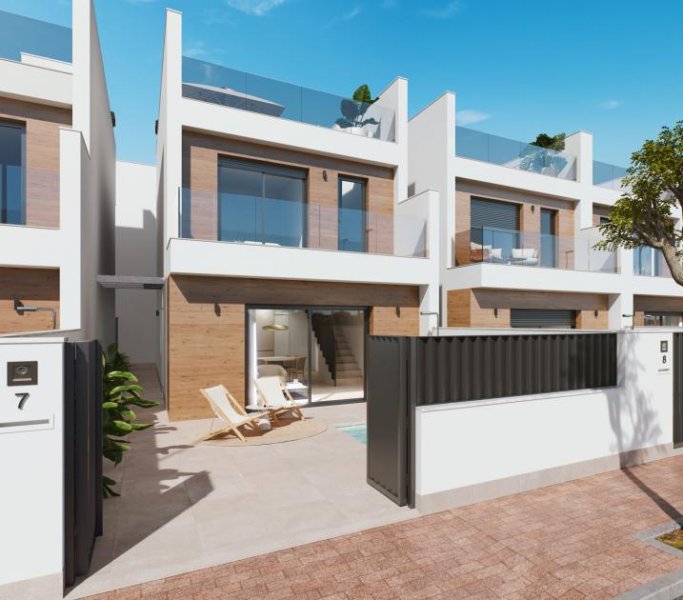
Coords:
pixel 264 360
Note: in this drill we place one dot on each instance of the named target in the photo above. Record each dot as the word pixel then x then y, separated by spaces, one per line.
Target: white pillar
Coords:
pixel 620 314
pixel 580 145
pixel 170 129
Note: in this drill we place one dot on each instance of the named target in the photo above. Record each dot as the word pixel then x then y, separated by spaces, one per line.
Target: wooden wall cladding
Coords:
pixel 490 308
pixel 33 287
pixel 201 153
pixel 42 125
pixel 206 326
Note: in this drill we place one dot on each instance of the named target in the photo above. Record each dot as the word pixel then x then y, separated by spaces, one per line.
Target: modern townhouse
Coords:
pixel 57 187
pixel 286 231
pixel 518 229
pixel 57 157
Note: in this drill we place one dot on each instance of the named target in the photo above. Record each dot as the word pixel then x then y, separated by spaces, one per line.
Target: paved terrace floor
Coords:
pixel 574 540
pixel 185 506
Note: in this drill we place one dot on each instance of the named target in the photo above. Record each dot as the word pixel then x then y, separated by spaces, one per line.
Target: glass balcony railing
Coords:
pixel 533 249
pixel 608 176
pixel 220 85
pixel 23 35
pixel 283 223
pixel 513 154
pixel 650 262
pixel 29 197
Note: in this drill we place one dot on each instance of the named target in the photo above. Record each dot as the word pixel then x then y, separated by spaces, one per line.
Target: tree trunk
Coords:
pixel 674 262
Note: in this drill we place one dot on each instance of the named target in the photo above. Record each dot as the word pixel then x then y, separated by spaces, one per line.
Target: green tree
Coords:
pixel 553 142
pixel 644 214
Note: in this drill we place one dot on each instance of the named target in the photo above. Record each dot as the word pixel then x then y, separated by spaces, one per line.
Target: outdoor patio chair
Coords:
pixel 276 399
pixel 228 410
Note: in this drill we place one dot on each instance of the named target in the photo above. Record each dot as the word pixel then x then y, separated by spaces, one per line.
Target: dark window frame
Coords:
pixel 21 127
pixel 364 225
pixel 264 168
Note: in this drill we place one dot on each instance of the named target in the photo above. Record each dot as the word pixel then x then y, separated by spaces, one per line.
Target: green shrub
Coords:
pixel 120 392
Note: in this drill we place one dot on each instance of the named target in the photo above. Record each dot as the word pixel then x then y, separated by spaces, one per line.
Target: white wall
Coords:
pixel 92 116
pixel 475 443
pixel 31 471
pixel 136 254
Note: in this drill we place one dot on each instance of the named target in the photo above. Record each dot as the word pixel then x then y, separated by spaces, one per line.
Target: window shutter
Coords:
pixel 542 318
pixel 494 214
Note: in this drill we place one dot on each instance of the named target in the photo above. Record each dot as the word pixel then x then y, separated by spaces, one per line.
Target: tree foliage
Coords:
pixel 645 213
pixel 552 142
pixel 120 392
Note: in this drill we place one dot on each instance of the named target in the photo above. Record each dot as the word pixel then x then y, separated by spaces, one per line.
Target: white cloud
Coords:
pixel 196 50
pixel 469 117
pixel 257 8
pixel 446 11
pixel 347 16
pixel 610 104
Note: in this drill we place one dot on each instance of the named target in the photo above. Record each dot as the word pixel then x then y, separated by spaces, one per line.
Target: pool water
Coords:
pixel 358 432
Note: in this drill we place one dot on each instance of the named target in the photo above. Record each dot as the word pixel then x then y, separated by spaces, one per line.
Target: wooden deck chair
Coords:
pixel 275 397
pixel 228 410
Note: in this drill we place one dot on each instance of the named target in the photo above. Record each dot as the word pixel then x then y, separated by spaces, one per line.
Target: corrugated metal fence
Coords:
pixel 403 373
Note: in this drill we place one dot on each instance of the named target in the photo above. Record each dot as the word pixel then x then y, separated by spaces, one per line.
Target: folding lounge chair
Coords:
pixel 228 410
pixel 275 397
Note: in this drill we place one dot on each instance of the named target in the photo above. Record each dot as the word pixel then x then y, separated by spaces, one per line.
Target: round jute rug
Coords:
pixel 288 430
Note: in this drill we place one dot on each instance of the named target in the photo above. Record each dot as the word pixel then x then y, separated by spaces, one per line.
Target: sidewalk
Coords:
pixel 574 540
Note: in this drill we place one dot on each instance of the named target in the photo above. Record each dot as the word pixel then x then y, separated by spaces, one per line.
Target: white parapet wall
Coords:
pixel 31 471
pixel 471 451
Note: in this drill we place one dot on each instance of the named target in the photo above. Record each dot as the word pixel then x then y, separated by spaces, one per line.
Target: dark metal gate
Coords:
pixel 388 417
pixel 82 455
pixel 678 389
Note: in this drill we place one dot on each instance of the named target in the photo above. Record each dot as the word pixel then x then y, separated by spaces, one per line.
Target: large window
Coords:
pixel 261 204
pixel 495 224
pixel 12 179
pixel 663 319
pixel 352 215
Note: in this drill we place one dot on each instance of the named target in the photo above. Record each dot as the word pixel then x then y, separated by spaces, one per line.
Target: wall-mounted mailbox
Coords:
pixel 22 373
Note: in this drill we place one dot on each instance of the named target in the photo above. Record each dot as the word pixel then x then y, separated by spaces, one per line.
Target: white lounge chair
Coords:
pixel 228 410
pixel 276 399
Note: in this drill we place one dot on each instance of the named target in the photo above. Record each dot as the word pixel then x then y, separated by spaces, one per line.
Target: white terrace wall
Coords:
pixel 471 451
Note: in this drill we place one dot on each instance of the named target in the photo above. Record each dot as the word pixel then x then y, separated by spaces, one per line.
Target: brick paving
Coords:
pixel 573 540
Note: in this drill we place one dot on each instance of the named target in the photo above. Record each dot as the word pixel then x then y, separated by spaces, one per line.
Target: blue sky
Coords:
pixel 611 67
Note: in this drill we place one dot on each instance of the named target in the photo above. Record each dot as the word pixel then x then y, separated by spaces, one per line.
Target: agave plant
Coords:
pixel 120 391
pixel 353 111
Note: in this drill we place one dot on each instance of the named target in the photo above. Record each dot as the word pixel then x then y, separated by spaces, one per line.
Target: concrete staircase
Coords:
pixel 348 372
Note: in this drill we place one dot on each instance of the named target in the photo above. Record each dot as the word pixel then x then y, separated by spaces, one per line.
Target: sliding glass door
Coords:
pixel 261 204
pixel 318 353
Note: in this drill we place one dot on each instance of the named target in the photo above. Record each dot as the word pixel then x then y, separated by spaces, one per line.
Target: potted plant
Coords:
pixel 353 111
pixel 542 161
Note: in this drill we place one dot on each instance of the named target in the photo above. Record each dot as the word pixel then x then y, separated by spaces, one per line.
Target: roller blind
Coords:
pixel 491 213
pixel 542 318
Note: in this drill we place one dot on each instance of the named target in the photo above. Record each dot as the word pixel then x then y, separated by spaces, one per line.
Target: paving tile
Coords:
pixel 569 541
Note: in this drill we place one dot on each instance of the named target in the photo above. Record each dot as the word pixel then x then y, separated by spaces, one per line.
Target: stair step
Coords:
pixel 349 373
pixel 349 381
